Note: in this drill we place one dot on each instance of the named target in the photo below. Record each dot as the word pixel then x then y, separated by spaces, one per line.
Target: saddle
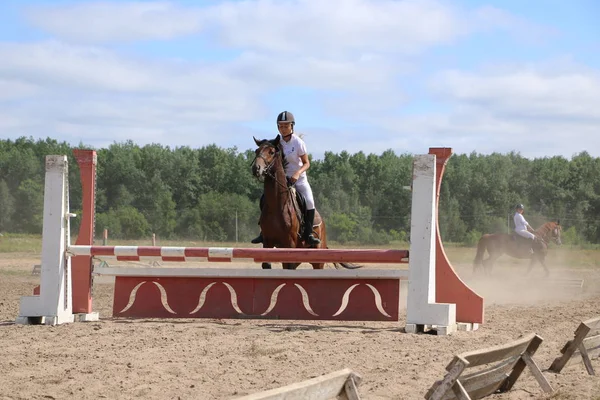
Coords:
pixel 524 244
pixel 300 207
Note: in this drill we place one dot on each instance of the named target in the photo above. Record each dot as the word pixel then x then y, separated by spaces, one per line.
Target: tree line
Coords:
pixel 209 193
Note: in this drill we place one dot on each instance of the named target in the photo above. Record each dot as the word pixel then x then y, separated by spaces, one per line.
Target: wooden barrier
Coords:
pixel 500 367
pixel 443 307
pixel 340 384
pixel 585 346
pixel 368 295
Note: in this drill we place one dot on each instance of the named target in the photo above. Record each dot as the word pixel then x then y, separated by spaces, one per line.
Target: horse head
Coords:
pixel 556 232
pixel 551 232
pixel 267 153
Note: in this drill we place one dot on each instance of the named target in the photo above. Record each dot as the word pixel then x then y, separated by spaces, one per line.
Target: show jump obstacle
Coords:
pixel 437 298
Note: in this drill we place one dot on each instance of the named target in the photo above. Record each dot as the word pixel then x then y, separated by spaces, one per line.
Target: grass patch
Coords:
pixel 19 243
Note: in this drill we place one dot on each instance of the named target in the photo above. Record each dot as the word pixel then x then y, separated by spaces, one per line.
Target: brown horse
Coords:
pixel 517 247
pixel 281 217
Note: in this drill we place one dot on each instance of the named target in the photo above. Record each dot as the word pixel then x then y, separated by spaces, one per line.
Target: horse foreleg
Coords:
pixel 531 263
pixel 266 265
pixel 267 245
pixel 318 265
pixel 488 264
pixel 543 262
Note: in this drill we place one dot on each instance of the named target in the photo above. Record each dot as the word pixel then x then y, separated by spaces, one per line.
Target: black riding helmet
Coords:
pixel 286 116
pixel 519 207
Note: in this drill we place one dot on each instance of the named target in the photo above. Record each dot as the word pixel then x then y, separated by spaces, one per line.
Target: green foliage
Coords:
pixel 209 193
pixel 29 206
pixel 471 238
pixel 7 206
pixel 123 223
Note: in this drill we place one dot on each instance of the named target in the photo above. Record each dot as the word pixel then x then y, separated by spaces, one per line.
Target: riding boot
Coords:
pixel 531 251
pixel 259 238
pixel 308 228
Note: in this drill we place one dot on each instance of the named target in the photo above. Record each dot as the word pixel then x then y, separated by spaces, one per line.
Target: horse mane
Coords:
pixel 543 230
pixel 279 148
pixel 284 161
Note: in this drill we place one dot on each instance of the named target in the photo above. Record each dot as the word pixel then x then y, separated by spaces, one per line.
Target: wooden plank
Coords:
pixel 592 346
pixel 440 388
pixel 350 390
pixel 323 387
pixel 508 361
pixel 539 376
pixel 497 353
pixel 488 381
pixel 534 343
pixel 586 359
pixel 580 333
pixel 594 326
pixel 251 273
pixel 460 392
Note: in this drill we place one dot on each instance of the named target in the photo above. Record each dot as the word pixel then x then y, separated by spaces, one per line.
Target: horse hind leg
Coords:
pixel 290 265
pixel 267 245
pixel 542 261
pixel 488 264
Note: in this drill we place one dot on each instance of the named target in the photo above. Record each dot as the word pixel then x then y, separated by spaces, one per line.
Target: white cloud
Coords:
pixel 488 18
pixel 15 89
pixel 525 92
pixel 334 26
pixel 283 26
pixel 116 21
pixel 352 56
pixel 533 109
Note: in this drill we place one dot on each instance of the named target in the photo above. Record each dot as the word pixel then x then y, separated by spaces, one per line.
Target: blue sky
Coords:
pixel 360 75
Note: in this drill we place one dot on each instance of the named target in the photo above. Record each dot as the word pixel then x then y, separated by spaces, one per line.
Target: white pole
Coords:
pixel 54 303
pixel 421 307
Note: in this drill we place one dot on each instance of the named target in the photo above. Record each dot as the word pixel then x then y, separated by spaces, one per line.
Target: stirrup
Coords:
pixel 312 240
pixel 258 239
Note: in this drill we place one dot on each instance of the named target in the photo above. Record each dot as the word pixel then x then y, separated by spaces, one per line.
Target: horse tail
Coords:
pixel 481 247
pixel 347 265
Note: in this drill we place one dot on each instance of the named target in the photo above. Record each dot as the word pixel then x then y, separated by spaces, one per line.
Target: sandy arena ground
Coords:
pixel 224 359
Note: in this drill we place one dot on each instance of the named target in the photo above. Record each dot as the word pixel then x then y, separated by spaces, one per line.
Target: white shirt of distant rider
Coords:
pixel 292 151
pixel 520 223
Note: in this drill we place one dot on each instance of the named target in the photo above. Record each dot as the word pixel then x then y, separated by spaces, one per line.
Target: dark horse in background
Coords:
pixel 518 247
pixel 281 214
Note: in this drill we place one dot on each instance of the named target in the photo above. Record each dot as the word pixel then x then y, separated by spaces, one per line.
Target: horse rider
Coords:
pixel 294 151
pixel 522 227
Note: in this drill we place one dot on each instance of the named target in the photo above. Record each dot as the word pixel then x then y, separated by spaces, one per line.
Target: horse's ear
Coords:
pixel 276 140
pixel 558 222
pixel 258 143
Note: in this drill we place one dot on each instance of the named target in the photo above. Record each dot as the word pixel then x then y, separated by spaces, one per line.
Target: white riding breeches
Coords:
pixel 526 234
pixel 303 187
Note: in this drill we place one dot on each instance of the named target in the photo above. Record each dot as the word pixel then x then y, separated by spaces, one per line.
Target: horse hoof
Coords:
pixel 266 265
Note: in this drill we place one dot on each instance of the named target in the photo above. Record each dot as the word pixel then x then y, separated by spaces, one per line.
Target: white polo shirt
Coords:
pixel 292 151
pixel 520 223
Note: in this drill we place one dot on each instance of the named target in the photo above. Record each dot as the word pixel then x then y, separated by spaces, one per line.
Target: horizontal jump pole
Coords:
pixel 223 254
pixel 250 273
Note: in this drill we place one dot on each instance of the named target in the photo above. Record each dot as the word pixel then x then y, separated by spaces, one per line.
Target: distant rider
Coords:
pixel 522 227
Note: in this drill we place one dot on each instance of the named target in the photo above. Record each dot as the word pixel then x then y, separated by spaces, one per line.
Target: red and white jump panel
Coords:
pixel 223 254
pixel 270 294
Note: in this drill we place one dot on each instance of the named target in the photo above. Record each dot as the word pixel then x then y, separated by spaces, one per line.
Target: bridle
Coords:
pixel 552 234
pixel 269 168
